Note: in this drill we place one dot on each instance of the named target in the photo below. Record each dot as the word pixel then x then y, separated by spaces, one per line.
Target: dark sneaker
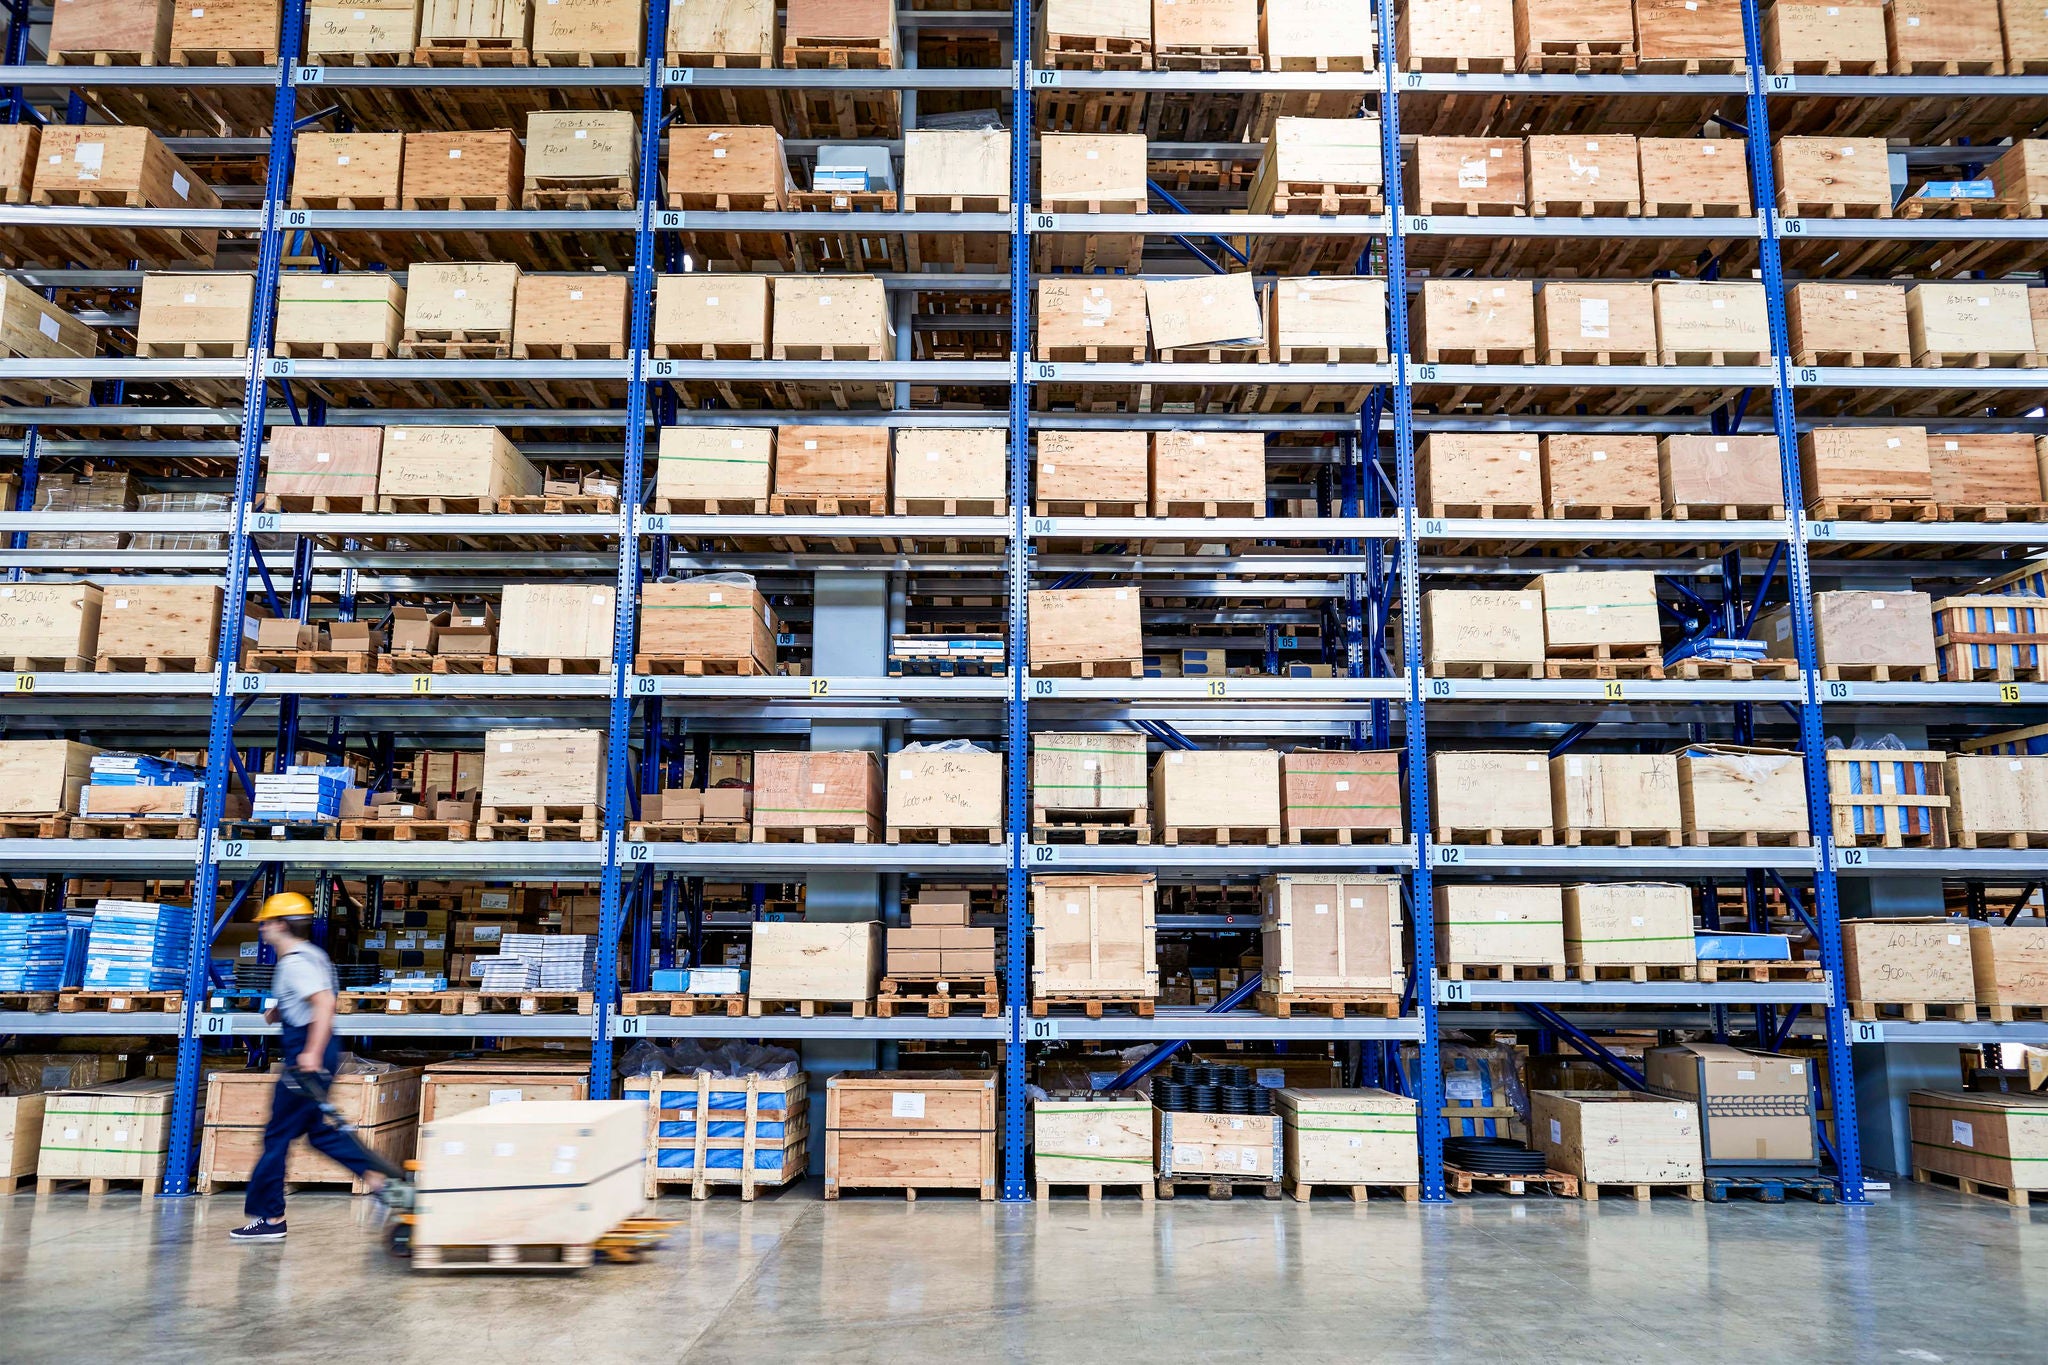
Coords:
pixel 262 1230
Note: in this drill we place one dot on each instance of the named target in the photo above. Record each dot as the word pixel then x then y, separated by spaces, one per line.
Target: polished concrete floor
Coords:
pixel 1920 1276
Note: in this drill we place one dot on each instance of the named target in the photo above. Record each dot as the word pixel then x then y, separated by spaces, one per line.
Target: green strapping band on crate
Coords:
pixel 1145 1161
pixel 1985 1113
pixel 1350 772
pixel 1088 786
pixel 1498 923
pixel 704 459
pixel 321 473
pixel 1951 1147
pixel 1094 1108
pixel 1335 1128
pixel 1334 805
pixel 810 810
pixel 1062 749
pixel 1641 938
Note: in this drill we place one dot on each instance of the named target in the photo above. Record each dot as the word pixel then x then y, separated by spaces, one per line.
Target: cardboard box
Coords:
pixel 1337 932
pixel 1861 630
pixel 557 621
pixel 1907 961
pixel 454 463
pixel 1714 473
pixel 814 961
pixel 1206 789
pixel 1589 474
pixel 1093 934
pixel 795 789
pixel 1862 463
pixel 1325 790
pixel 1084 625
pixel 544 768
pixel 2001 1140
pixel 1094 468
pixel 416 630
pixel 825 317
pixel 1202 311
pixel 1620 924
pixel 1756 1106
pixel 161 620
pixel 179 312
pixel 1475 789
pixel 1729 790
pixel 945 789
pixel 1615 791
pixel 1457 473
pixel 1609 1137
pixel 1596 324
pixel 49 621
pixel 1499 923
pixel 1462 626
pixel 1617 608
pixel 707 621
pixel 42 776
pixel 1478 321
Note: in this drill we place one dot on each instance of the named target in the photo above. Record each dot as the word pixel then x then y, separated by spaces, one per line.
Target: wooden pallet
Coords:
pixel 75 1001
pixel 838 54
pixel 1604 661
pixel 1993 512
pixel 692 666
pixel 50 663
pixel 1461 668
pixel 814 834
pixel 527 1002
pixel 1599 358
pixel 1604 511
pixel 1955 666
pixel 509 666
pixel 1721 969
pixel 1854 360
pixel 746 1184
pixel 1468 355
pixel 1748 838
pixel 1122 825
pixel 796 505
pixel 132 827
pixel 100 1184
pixel 711 507
pixel 1640 1191
pixel 1877 673
pixel 943 834
pixel 1092 668
pixel 1346 836
pixel 1963 1184
pixel 623 1244
pixel 582 193
pixel 408 831
pixel 1874 509
pixel 1914 1011
pixel 1467 208
pixel 938 997
pixel 435 507
pixel 34 826
pixel 1063 507
pixel 2016 1014
pixel 1093 1189
pixel 1331 1004
pixel 28 1002
pixel 555 504
pixel 682 1004
pixel 687 832
pixel 1504 971
pixel 400 1002
pixel 2023 839
pixel 1096 52
pixel 1608 837
pixel 1218 1186
pixel 547 823
pixel 1461 1181
pixel 1714 358
pixel 1303 1192
pixel 1733 511
pixel 332 350
pixel 1494 838
pixel 1734 670
pixel 1092 1004
pixel 1770 1189
pixel 308 661
pixel 1978 360
pixel 768 1006
pixel 491 344
pixel 1219 836
pixel 152 663
pixel 446 665
pixel 1638 972
pixel 951 507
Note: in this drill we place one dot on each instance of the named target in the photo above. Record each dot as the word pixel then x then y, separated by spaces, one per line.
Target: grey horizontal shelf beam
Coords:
pixel 1606 376
pixel 1558 860
pixel 1918 229
pixel 1486 83
pixel 1904 87
pixel 1232 689
pixel 1583 993
pixel 1199 1026
pixel 821 78
pixel 1458 225
pixel 793 860
pixel 824 689
pixel 854 528
pixel 115 520
pixel 1591 689
pixel 1832 377
pixel 578 859
pixel 421 684
pixel 1926 532
pixel 1654 530
pixel 1195 528
pixel 866 224
pixel 1206 224
pixel 832 371
pixel 174 856
pixel 1069 372
pixel 1951 693
pixel 156 1023
pixel 781 1026
pixel 1946 1031
pixel 126 685
pixel 1173 860
pixel 462 220
pixel 130 368
pixel 40 77
pixel 345 524
pixel 2025 864
pixel 245 1024
pixel 1206 82
pixel 74 215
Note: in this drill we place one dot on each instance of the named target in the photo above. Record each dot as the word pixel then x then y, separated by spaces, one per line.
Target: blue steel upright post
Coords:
pixel 1827 908
pixel 1016 726
pixel 179 1164
pixel 1429 1101
pixel 620 773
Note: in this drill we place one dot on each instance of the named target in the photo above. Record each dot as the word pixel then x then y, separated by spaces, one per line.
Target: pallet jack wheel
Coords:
pixel 398 1240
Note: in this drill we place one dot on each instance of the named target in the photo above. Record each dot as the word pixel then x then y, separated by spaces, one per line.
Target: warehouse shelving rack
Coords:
pixel 1028 547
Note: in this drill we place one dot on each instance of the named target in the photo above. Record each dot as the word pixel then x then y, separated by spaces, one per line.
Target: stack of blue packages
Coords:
pixel 140 770
pixel 302 792
pixel 137 946
pixel 32 951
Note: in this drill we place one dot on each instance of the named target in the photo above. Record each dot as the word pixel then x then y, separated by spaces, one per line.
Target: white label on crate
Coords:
pixel 1046 468
pixel 1343 786
pixel 1593 317
pixel 1851 151
pixel 504 748
pixel 737 443
pixel 817 789
pixel 507 1096
pixel 1834 10
pixel 1358 902
pixel 1500 293
pixel 562 1168
pixel 1692 4
pixel 455 154
pixel 1247 1157
pixel 1635 921
pixel 1471 174
pixel 1322 909
pixel 1354 1142
pixel 1198 439
pixel 575 295
pixel 579 132
pixel 718 596
pixel 1534 765
pixel 1122 594
pixel 1463 1088
pixel 1091 1140
pixel 906 1104
pixel 70 1133
pixel 1186 1153
pixel 1796 1069
pixel 907 773
pixel 1983 302
pixel 48 326
pixel 1599 456
pixel 1955 940
pixel 191 298
pixel 88 156
pixel 1963 1134
pixel 452 1148
pixel 810 445
pixel 1913 21
pixel 1073 908
pixel 462 293
pixel 341 161
pixel 1525 456
pixel 398 436
pixel 1848 293
pixel 1745 1075
pixel 1528 605
pixel 120 604
pixel 1173 758
pixel 1088 765
pixel 180 186
pixel 1720 447
pixel 1236 1124
pixel 1877 604
pixel 597 599
pixel 1720 303
pixel 1092 155
pixel 6 592
pixel 824 300
pixel 120 1135
pixel 504 1148
pixel 1950 445
pixel 2014 765
pixel 1557 1132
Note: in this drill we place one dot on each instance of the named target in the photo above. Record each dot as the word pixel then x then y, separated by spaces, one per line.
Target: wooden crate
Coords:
pixel 323 462
pixel 194 314
pixel 1480 321
pixel 347 170
pixel 161 621
pixel 1726 790
pixel 111 165
pixel 1208 474
pixel 1968 321
pixel 1324 934
pixel 1086 318
pixel 502 26
pixel 1585 176
pixel 21 1136
pixel 459 304
pixel 42 776
pixel 18 143
pixel 543 768
pixel 943 470
pixel 1479 790
pixel 1986 1142
pixel 1690 35
pixel 1202 311
pixel 818 789
pixel 1328 319
pixel 1087 772
pixel 1338 791
pixel 1944 37
pixel 33 327
pixel 1995 796
pixel 817 961
pixel 1833 177
pixel 524 1184
pixel 1848 324
pixel 556 621
pixel 1317 35
pixel 1463 627
pixel 1975 472
pixel 1596 324
pixel 1105 170
pixel 1499 924
pixel 1094 935
pixel 1862 631
pixel 585 158
pixel 736 33
pixel 120 1131
pixel 241 1099
pixel 1093 468
pixel 1628 924
pixel 832 463
pixel 1694 177
pixel 475 169
pixel 910 1131
pixel 362 28
pixel 1467 175
pixel 589 32
pixel 1600 475
pixel 1085 626
pixel 1862 464
pixel 1334 164
pixel 1888 798
pixel 1456 35
pixel 570 317
pixel 1194 29
pixel 469 464
pixel 225 33
pixel 1347 1137
pixel 1583 610
pixel 49 622
pixel 1995 636
pixel 2025 30
pixel 1232 793
pixel 1610 792
pixel 1235 1147
pixel 727 167
pixel 2020 174
pixel 707 1130
pixel 2009 963
pixel 943 789
pixel 336 316
pixel 1611 1137
pixel 865 30
pixel 711 317
pixel 1712 324
pixel 1098 1140
pixel 942 165
pixel 1841 39
pixel 708 621
pixel 828 317
pixel 128 33
pixel 1907 961
pixel 1557 35
pixel 1478 474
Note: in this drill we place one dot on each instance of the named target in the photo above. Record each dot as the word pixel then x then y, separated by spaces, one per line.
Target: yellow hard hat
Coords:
pixel 285 905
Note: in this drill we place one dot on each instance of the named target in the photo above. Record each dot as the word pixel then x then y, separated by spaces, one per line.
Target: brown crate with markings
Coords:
pixel 1104 169
pixel 711 317
pixel 2009 963
pixel 1091 318
pixel 323 462
pixel 1853 324
pixel 18 142
pixel 1480 321
pixel 1317 35
pixel 1600 475
pixel 50 622
pixel 1986 469
pixel 1499 924
pixel 1852 464
pixel 2020 174
pixel 1226 1147
pixel 477 169
pixel 832 462
pixel 865 29
pixel 501 25
pixel 727 167
pixel 1092 1139
pixel 1585 175
pixel 1833 177
pixel 112 165
pixel 1324 790
pixel 1094 935
pixel 1466 627
pixel 738 33
pixel 122 30
pixel 31 327
pixel 556 621
pixel 589 32
pixel 194 314
pixel 352 315
pixel 1694 176
pixel 1596 324
pixel 1985 1139
pixel 1616 1138
pixel 2025 29
pixel 347 170
pixel 1093 468
pixel 952 470
pixel 570 317
pixel 944 789
pixel 1496 473
pixel 42 776
pixel 1862 630
pixel 460 303
pixel 1623 924
pixel 1944 37
pixel 362 28
pixel 1085 626
pixel 1334 932
pixel 842 317
pixel 1907 960
pixel 797 789
pixel 1845 38
pixel 1712 324
pixel 1233 790
pixel 1993 797
pixel 910 1131
pixel 944 165
pixel 161 621
pixel 525 768
pixel 1970 322
pixel 1464 175
pixel 1227 27
pixel 1637 792
pixel 1575 35
pixel 467 463
pixel 1481 790
pixel 457 1087
pixel 1727 790
pixel 707 621
pixel 1081 772
pixel 587 158
pixel 225 33
pixel 1196 473
pixel 1201 312
pixel 1616 608
pixel 1456 35
pixel 1307 154
pixel 1690 35
pixel 1327 318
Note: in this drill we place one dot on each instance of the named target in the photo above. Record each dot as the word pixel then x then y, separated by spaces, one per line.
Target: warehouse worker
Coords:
pixel 305 988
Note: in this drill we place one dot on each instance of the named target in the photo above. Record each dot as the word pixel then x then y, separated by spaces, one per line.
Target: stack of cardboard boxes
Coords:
pixel 939 941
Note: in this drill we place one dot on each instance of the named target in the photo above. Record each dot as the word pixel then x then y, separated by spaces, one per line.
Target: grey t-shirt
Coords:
pixel 301 974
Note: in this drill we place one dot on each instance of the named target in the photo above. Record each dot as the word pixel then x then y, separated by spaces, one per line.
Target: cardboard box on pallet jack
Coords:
pixel 1756 1108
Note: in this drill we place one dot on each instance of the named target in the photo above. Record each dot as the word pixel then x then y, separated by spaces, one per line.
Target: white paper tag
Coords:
pixel 507 1096
pixel 1962 1133
pixel 504 1148
pixel 817 789
pixel 1740 1075
pixel 906 1104
pixel 47 325
pixel 1556 1128
pixel 180 186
